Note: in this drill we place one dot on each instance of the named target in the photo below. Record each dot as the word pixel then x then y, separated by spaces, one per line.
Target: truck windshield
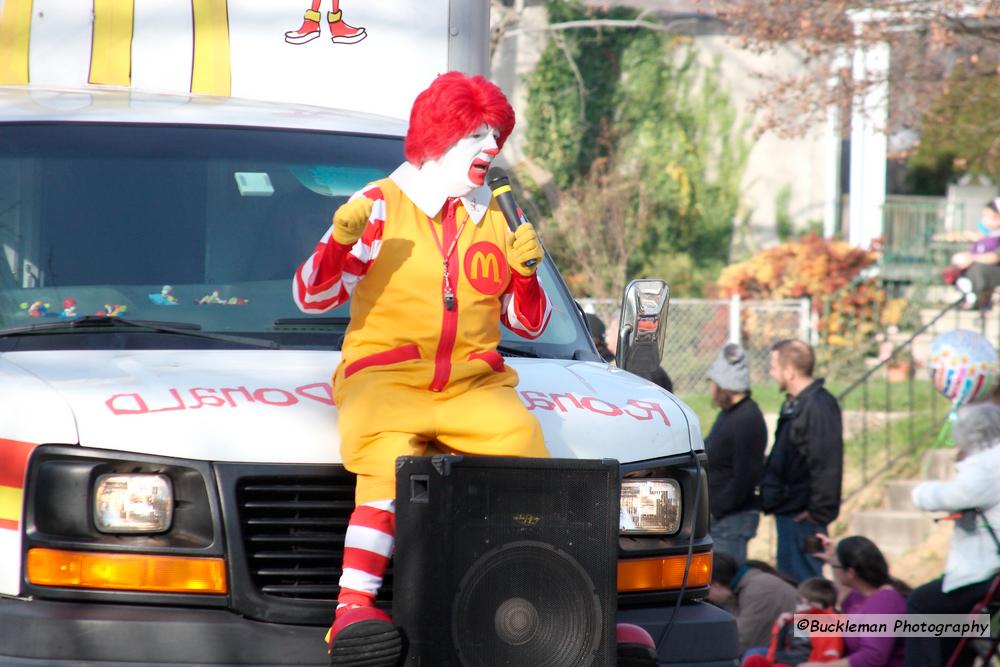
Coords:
pixel 199 226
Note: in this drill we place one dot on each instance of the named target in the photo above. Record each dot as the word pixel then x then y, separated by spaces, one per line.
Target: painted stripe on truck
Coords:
pixel 15 27
pixel 211 72
pixel 13 463
pixel 111 50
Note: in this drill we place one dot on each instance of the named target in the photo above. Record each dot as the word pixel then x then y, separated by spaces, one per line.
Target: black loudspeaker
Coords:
pixel 504 561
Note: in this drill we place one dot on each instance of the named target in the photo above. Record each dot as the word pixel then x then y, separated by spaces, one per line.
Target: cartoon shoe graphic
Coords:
pixel 342 33
pixel 309 30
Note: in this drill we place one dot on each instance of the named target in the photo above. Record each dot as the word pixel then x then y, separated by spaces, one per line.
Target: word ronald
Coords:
pixel 641 410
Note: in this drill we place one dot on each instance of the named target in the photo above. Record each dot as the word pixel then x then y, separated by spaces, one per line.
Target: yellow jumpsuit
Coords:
pixel 414 372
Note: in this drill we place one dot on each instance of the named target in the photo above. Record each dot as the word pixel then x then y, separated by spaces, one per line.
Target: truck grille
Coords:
pixel 293 531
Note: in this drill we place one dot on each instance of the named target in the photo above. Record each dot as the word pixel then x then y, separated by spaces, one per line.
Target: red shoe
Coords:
pixel 309 30
pixel 340 32
pixel 364 636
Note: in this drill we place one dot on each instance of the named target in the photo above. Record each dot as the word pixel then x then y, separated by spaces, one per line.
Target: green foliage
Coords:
pixel 782 214
pixel 929 172
pixel 813 227
pixel 567 112
pixel 607 106
pixel 685 276
pixel 959 133
pixel 684 148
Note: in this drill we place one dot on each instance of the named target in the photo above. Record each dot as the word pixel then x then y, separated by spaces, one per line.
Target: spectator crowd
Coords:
pixel 798 482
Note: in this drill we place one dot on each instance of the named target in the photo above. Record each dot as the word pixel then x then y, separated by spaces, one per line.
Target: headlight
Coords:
pixel 650 506
pixel 133 503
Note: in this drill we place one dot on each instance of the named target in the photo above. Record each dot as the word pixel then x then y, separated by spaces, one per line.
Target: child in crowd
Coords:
pixel 816 596
pixel 976 272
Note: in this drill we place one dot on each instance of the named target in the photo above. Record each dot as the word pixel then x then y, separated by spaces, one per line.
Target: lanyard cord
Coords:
pixel 454 242
pixel 448 294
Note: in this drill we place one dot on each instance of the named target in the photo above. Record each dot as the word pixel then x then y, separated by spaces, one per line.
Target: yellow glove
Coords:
pixel 350 219
pixel 523 246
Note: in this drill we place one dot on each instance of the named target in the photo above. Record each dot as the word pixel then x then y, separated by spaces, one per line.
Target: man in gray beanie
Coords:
pixel 735 448
pixel 729 370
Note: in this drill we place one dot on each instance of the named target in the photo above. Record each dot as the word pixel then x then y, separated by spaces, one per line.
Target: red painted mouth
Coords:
pixel 477 172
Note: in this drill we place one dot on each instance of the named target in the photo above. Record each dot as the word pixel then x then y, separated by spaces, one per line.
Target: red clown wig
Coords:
pixel 452 107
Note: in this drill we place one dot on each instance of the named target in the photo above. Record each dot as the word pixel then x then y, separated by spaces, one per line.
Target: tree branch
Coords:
pixel 581 88
pixel 632 24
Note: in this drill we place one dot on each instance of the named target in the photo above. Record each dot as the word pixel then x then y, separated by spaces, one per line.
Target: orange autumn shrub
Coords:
pixel 851 312
pixel 808 267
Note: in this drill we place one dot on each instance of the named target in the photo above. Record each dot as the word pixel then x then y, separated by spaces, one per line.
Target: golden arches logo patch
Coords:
pixel 486 268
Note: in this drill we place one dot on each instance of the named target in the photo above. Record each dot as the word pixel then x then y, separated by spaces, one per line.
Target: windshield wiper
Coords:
pixel 105 321
pixel 510 351
pixel 311 322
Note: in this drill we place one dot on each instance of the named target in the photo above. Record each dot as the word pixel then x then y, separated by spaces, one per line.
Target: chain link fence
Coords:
pixel 698 328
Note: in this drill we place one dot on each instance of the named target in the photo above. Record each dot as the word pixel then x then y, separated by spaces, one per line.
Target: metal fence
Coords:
pixel 919 236
pixel 698 328
pixel 889 406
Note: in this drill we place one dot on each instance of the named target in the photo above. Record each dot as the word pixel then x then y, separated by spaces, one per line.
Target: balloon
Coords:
pixel 963 366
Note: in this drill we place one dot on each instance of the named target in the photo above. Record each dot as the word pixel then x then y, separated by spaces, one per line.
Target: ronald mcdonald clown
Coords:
pixel 433 270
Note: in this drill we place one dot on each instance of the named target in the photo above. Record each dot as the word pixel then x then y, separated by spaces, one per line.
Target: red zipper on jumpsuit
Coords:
pixel 449 319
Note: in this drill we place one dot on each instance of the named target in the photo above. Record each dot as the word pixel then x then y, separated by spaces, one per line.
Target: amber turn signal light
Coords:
pixel 655 574
pixel 126 571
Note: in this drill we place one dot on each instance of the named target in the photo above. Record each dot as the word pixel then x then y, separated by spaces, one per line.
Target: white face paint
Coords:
pixel 462 168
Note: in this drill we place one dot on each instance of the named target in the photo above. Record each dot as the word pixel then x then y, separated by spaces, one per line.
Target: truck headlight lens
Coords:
pixel 650 506
pixel 133 503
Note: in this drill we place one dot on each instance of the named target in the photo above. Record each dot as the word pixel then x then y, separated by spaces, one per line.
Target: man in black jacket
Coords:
pixel 802 475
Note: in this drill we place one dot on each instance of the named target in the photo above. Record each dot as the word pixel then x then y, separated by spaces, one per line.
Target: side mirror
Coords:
pixel 643 326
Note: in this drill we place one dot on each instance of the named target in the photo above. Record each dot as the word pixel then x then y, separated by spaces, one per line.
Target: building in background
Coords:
pixel 798 178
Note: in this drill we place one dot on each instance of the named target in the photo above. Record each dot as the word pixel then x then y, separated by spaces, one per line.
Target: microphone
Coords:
pixel 499 184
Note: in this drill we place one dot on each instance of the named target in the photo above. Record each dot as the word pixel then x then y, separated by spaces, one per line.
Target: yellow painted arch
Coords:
pixel 211 71
pixel 15 31
pixel 111 43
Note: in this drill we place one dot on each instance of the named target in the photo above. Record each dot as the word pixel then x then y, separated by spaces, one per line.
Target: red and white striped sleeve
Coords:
pixel 525 308
pixel 328 277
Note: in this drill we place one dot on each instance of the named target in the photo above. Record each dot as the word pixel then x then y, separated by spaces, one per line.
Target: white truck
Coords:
pixel 170 485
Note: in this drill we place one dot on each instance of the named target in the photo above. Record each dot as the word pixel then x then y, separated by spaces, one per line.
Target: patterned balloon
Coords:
pixel 963 366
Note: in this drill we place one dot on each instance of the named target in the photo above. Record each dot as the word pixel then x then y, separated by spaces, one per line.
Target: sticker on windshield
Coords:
pixel 36 308
pixel 215 298
pixel 112 310
pixel 69 308
pixel 165 297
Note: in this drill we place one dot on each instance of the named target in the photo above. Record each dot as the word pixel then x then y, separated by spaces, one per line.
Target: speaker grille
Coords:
pixel 506 562
pixel 526 603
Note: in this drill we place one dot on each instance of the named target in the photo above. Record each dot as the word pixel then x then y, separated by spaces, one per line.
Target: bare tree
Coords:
pixel 599 223
pixel 926 38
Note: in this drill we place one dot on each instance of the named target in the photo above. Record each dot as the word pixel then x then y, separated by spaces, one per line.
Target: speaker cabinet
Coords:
pixel 504 561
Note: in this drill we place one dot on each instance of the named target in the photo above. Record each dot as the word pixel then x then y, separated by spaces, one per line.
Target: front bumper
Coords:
pixel 40 632
pixel 58 634
pixel 702 635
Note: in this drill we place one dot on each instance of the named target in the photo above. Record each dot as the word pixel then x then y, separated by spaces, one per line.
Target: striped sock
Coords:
pixel 367 549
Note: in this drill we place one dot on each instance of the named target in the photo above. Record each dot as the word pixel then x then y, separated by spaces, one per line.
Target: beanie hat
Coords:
pixel 729 370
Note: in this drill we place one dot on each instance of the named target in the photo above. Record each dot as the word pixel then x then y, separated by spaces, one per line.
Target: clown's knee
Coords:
pixel 524 436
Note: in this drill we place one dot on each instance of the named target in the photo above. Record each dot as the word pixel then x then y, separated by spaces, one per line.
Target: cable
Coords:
pixel 694 521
